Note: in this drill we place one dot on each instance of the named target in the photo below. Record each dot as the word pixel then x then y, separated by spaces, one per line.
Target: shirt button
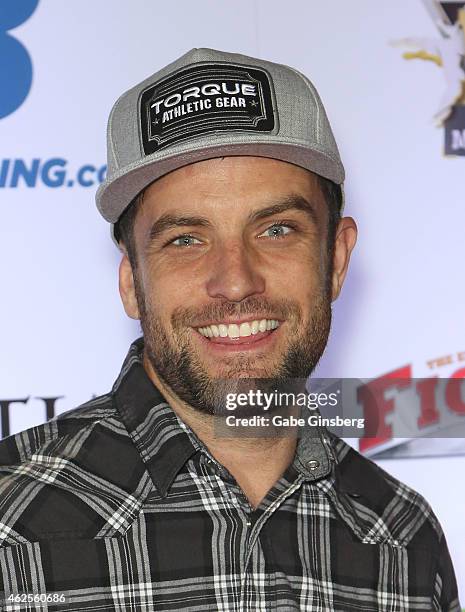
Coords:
pixel 210 467
pixel 248 523
pixel 313 464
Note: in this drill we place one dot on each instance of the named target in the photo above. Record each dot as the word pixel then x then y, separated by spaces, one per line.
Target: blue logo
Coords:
pixel 15 61
pixel 53 172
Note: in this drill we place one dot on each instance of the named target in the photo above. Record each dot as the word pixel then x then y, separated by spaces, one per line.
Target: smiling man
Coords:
pixel 214 273
pixel 224 192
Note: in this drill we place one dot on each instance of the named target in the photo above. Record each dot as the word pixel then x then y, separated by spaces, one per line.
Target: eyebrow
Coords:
pixel 292 202
pixel 167 222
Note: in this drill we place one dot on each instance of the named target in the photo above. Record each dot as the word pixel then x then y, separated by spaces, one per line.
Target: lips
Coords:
pixel 241 341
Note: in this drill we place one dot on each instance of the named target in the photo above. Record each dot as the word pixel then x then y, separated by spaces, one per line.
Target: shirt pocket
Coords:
pixel 55 573
pixel 381 576
pixel 82 574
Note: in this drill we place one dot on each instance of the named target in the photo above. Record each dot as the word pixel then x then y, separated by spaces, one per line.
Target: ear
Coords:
pixel 126 288
pixel 346 237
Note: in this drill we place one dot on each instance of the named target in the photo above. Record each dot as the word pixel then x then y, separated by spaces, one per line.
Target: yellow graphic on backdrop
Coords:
pixel 447 52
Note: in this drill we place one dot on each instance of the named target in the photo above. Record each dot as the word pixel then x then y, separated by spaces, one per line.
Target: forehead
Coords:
pixel 233 184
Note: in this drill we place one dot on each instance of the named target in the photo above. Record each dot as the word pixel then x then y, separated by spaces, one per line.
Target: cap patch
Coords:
pixel 205 98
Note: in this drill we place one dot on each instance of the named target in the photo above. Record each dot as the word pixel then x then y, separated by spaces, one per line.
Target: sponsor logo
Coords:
pixel 203 99
pixel 16 64
pixel 411 417
pixel 47 409
pixel 39 410
pixel 53 172
pixel 447 51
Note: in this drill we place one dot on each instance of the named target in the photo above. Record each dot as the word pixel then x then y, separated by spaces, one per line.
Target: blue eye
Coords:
pixel 185 241
pixel 278 230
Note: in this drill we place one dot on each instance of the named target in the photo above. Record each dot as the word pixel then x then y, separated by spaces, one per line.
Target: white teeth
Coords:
pixel 223 330
pixel 244 329
pixel 251 328
pixel 233 331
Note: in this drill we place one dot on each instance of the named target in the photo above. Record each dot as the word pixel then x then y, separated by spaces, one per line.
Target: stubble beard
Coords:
pixel 179 367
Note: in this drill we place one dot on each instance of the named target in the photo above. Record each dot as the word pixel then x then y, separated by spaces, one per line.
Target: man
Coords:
pixel 224 192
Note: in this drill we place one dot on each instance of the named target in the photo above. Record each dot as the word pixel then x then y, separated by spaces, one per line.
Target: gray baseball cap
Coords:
pixel 210 104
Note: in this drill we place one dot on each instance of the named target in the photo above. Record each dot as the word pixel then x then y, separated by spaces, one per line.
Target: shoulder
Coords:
pixel 387 512
pixel 19 448
pixel 391 510
pixel 69 476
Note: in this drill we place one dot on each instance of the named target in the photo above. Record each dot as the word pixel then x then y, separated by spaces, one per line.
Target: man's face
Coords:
pixel 233 278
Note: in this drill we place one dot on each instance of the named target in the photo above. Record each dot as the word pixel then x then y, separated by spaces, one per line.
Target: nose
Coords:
pixel 235 274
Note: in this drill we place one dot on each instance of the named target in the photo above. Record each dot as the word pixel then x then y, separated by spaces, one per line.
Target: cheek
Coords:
pixel 167 279
pixel 164 295
pixel 303 284
pixel 299 276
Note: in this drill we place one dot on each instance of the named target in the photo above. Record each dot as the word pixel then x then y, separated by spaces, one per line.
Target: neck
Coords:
pixel 255 463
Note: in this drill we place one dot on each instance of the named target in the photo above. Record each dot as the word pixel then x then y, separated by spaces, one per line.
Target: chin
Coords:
pixel 233 373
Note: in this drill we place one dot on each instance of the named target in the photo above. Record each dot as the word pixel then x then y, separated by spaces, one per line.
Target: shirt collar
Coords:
pixel 154 427
pixel 165 442
pixel 313 456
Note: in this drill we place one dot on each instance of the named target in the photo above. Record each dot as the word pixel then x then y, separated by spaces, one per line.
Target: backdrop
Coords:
pixel 391 75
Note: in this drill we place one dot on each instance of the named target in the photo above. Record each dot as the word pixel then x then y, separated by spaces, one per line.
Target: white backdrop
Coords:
pixel 62 327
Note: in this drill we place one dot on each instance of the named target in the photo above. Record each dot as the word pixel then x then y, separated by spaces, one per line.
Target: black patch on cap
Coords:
pixel 205 98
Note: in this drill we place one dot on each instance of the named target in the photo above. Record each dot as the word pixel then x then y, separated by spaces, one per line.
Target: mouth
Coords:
pixel 243 334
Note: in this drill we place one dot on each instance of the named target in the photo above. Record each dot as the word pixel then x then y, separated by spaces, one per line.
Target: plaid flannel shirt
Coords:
pixel 117 505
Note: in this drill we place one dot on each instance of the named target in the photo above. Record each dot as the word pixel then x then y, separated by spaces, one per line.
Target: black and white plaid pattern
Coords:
pixel 117 505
